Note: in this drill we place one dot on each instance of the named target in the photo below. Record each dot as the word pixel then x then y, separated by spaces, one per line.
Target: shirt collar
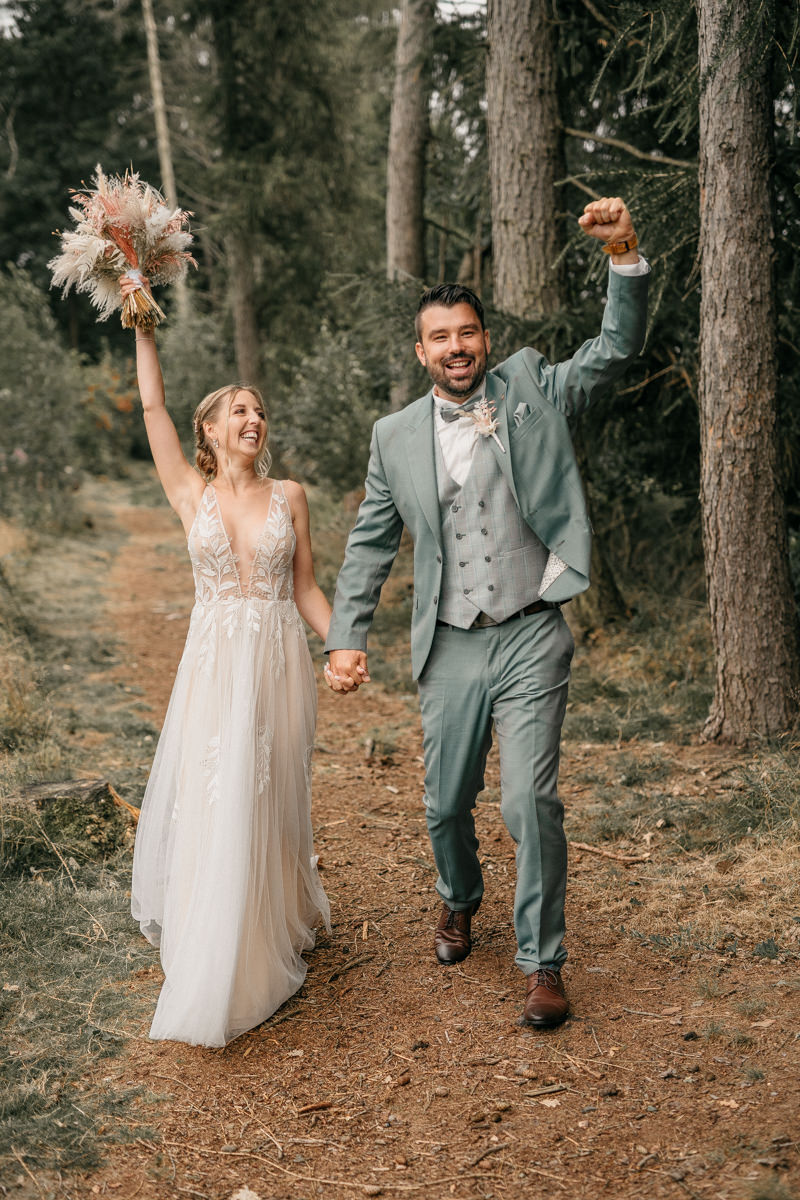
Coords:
pixel 441 402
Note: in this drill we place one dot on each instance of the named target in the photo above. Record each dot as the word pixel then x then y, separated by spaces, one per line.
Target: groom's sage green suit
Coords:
pixel 513 674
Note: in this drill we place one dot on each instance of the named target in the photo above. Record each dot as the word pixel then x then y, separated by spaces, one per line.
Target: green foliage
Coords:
pixel 335 406
pixel 65 102
pixel 61 417
pixel 343 386
pixel 41 387
pixel 644 89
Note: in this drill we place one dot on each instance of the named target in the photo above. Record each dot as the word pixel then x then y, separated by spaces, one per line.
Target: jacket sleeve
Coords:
pixel 572 385
pixel 371 549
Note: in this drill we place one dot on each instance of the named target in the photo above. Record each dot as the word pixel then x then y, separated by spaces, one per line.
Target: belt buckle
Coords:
pixel 483 621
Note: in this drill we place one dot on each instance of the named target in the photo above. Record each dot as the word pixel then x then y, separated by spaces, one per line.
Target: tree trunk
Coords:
pixel 405 169
pixel 525 156
pixel 753 614
pixel 162 133
pixel 408 138
pixel 241 282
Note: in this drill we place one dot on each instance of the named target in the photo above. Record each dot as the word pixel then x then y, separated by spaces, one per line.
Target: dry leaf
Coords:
pixel 550 1102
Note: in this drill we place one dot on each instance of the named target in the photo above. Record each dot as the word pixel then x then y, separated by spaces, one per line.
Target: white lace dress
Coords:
pixel 224 878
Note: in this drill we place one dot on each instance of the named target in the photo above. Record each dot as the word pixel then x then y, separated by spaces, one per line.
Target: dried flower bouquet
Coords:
pixel 122 227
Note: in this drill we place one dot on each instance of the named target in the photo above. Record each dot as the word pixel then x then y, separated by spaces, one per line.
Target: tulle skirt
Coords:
pixel 224 875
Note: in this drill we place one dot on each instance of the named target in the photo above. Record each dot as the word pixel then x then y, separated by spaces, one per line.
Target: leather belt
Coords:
pixel 484 621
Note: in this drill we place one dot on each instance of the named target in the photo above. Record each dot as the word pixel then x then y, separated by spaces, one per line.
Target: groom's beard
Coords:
pixel 457 389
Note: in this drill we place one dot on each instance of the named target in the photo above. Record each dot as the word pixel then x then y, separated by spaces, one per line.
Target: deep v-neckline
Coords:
pixel 235 557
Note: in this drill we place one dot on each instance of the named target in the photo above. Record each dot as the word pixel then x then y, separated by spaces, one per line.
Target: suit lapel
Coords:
pixel 496 395
pixel 422 462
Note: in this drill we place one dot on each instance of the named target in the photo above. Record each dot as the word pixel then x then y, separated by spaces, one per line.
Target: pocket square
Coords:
pixel 520 413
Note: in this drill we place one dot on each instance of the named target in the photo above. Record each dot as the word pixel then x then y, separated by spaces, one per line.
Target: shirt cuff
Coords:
pixel 642 267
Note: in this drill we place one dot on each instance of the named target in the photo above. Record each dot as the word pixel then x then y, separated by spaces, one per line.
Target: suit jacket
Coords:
pixel 538 464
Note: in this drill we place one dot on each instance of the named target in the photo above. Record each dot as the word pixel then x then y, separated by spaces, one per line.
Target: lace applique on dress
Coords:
pixel 216 567
pixel 210 767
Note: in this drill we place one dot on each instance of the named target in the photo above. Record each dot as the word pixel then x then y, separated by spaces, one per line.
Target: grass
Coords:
pixel 68 946
pixel 647 679
pixel 65 1009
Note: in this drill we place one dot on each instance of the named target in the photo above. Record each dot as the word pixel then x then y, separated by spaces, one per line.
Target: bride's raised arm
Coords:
pixel 181 483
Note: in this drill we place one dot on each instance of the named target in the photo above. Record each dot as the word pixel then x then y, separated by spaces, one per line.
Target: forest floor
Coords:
pixel 676 1076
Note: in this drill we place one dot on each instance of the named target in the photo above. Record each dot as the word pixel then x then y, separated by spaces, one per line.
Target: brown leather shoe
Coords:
pixel 452 940
pixel 546 1003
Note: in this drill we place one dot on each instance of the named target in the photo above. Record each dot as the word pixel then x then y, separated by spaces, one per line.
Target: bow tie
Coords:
pixel 449 412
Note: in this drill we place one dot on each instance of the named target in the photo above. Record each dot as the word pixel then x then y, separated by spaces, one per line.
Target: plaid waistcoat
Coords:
pixel 493 561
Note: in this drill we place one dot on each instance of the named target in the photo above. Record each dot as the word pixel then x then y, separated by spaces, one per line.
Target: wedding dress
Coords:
pixel 224 878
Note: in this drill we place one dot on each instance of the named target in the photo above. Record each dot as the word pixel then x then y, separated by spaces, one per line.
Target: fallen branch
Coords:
pixel 624 858
pixel 486 1153
pixel 349 966
pixel 86 791
pixel 120 803
pixel 545 1091
pixel 368 1188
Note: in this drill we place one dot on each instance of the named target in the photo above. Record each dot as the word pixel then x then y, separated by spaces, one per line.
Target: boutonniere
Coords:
pixel 486 422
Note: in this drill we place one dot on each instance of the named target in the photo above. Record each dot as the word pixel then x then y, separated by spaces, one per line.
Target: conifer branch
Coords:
pixel 658 159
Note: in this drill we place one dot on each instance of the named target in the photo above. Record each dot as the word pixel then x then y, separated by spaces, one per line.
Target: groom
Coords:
pixel 482 473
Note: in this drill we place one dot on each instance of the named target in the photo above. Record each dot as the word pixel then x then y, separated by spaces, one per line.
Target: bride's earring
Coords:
pixel 215 443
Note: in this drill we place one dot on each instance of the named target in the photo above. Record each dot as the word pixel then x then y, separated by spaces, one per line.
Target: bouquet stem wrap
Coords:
pixel 140 310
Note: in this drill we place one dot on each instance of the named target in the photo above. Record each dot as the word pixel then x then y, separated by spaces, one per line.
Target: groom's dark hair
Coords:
pixel 448 294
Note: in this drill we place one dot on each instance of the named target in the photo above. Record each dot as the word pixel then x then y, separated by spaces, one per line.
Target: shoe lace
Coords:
pixel 545 977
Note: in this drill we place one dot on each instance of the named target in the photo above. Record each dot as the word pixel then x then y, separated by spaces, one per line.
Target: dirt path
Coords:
pixel 388 1075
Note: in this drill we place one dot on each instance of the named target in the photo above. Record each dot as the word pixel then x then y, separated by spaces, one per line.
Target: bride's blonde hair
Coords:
pixel 210 409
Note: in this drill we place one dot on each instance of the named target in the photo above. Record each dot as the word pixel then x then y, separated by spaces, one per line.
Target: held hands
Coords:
pixel 609 221
pixel 346 670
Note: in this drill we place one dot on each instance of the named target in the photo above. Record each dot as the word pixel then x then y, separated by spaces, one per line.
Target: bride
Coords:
pixel 224 877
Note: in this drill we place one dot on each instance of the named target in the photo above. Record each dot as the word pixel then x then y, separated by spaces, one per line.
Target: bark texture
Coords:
pixel 247 343
pixel 525 155
pixel 408 138
pixel 753 614
pixel 162 131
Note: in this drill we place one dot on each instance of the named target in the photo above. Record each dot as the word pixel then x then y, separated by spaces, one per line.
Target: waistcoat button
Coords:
pixel 491 587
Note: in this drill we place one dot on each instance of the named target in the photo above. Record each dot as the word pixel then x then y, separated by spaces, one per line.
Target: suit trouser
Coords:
pixel 516 676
